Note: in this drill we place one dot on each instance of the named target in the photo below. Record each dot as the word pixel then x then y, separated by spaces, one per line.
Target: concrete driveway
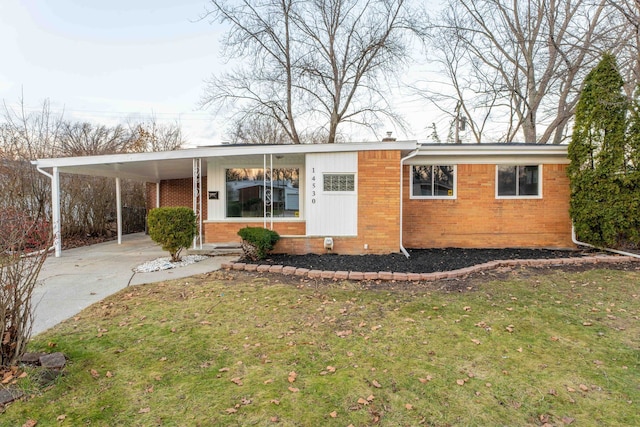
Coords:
pixel 84 276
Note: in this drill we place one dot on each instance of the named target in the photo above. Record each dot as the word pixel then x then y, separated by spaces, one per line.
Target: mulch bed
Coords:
pixel 420 260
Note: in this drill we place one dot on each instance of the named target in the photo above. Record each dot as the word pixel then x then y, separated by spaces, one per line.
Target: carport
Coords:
pixel 144 167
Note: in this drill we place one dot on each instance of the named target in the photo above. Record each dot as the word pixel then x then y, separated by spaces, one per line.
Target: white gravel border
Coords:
pixel 159 264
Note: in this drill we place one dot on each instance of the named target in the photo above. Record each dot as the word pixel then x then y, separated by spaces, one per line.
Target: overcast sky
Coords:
pixel 110 60
pixel 106 61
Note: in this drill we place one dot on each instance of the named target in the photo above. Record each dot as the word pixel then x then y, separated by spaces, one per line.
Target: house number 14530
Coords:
pixel 313 186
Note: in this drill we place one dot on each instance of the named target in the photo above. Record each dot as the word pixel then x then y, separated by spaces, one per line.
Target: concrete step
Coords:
pixel 217 249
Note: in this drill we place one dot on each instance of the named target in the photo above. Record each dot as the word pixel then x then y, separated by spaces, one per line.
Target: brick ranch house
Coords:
pixel 377 197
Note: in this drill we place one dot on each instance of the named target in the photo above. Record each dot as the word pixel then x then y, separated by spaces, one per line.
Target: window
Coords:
pixel 518 181
pixel 431 181
pixel 338 182
pixel 248 196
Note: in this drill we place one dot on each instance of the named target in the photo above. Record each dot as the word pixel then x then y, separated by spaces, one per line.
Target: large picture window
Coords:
pixel 518 181
pixel 249 195
pixel 433 181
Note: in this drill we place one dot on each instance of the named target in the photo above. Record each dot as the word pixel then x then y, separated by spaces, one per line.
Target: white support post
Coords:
pixel 271 188
pixel 197 200
pixel 267 185
pixel 55 211
pixel 119 211
pixel 158 194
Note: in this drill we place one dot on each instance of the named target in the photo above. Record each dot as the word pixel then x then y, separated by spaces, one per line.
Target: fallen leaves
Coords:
pixel 237 381
pixel 292 377
pixel 30 423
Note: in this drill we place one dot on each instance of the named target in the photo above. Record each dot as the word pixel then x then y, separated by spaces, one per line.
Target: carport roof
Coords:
pixel 156 166
pixel 162 165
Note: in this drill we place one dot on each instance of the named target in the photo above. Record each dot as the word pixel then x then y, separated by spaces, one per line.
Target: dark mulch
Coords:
pixel 420 260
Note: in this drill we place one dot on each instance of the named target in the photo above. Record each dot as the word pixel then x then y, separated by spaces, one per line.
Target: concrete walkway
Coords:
pixel 84 276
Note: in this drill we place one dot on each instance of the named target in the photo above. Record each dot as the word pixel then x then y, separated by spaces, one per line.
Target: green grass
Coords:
pixel 557 347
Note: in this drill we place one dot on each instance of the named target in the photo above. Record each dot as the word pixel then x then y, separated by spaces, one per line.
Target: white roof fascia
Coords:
pixel 491 154
pixel 221 150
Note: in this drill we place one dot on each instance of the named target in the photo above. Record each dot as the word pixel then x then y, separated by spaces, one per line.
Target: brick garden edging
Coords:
pixel 387 275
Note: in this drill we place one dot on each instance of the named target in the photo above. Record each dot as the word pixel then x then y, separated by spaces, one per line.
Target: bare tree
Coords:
pixel 317 61
pixel 521 63
pixel 23 250
pixel 87 203
pixel 25 136
pixel 150 135
pixel 257 130
pixel 86 139
pixel 629 55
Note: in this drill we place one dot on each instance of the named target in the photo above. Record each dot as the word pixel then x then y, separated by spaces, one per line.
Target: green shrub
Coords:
pixel 257 241
pixel 174 228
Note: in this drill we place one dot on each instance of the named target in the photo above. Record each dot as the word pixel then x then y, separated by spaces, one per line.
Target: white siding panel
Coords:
pixel 215 182
pixel 330 213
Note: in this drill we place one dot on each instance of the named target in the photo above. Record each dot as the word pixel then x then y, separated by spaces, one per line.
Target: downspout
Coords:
pixel 615 251
pixel 55 208
pixel 413 154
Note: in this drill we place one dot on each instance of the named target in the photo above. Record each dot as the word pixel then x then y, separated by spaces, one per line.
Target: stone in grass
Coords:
pixel 53 361
pixel 8 395
pixel 31 358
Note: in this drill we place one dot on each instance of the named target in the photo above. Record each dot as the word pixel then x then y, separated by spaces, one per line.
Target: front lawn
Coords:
pixel 534 347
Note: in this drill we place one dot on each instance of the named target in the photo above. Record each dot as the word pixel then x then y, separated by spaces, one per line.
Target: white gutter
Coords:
pixel 413 154
pixel 615 251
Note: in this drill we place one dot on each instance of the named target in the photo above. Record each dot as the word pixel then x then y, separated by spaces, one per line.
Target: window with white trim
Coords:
pixel 518 181
pixel 249 193
pixel 339 182
pixel 433 181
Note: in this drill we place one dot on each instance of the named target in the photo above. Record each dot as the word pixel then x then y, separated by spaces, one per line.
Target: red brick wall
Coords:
pixel 378 211
pixel 476 219
pixel 177 192
pixel 225 231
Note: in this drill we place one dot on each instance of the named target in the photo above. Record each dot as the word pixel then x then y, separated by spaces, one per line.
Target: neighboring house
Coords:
pixel 378 197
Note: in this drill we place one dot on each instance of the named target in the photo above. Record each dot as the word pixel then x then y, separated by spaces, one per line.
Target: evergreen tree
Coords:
pixel 633 134
pixel 599 200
